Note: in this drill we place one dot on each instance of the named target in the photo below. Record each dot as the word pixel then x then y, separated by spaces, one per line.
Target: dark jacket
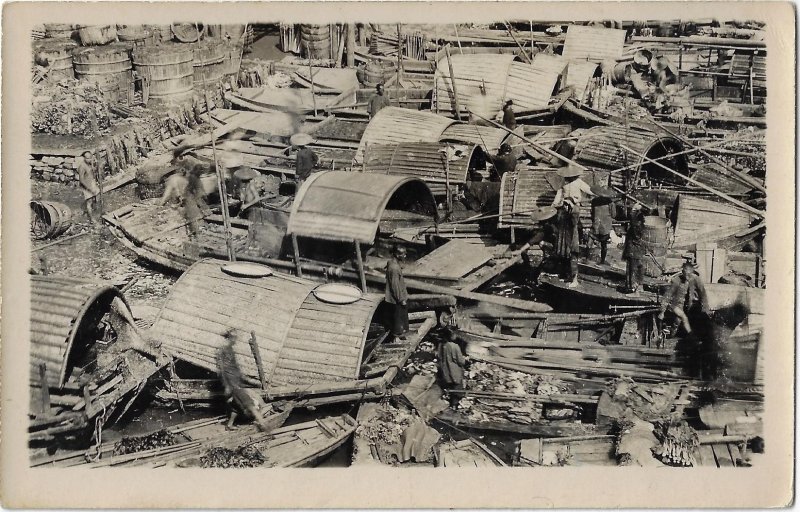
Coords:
pixel 504 163
pixel 634 246
pixel 376 103
pixel 602 216
pixel 451 363
pixel 306 161
pixel 509 119
pixel 396 292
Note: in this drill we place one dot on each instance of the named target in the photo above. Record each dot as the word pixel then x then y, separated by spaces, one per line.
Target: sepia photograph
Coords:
pixel 526 242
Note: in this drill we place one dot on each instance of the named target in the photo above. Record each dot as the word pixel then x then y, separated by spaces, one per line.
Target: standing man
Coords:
pixel 239 398
pixel 568 239
pixel 504 162
pixel 602 219
pixel 686 297
pixel 377 101
pixel 397 296
pixel 634 250
pixel 306 159
pixel 574 187
pixel 509 119
pixel 193 201
pixel 88 181
pixel 451 366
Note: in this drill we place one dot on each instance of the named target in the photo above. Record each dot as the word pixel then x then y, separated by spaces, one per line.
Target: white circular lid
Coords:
pixel 337 293
pixel 246 269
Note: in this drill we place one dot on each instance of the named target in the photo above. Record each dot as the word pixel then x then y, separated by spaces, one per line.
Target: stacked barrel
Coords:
pixel 109 67
pixel 169 72
pixel 56 55
pixel 315 41
pixel 173 73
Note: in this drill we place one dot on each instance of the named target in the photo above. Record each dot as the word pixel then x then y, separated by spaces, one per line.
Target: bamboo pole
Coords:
pixel 452 82
pixel 714 191
pixel 360 262
pixel 311 78
pixel 399 58
pixel 522 50
pixel 351 45
pixel 257 356
pixel 458 39
pixel 223 194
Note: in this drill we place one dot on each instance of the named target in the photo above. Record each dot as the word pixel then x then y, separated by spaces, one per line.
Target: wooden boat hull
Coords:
pixel 593 297
pixel 466 454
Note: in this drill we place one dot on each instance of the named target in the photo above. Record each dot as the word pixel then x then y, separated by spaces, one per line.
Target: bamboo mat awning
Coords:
pixel 594 44
pixel 483 82
pixel 423 160
pixel 301 340
pixel 601 146
pixel 397 125
pixel 63 309
pixel 348 206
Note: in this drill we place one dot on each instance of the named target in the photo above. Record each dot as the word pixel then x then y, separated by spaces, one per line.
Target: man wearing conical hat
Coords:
pixel 574 187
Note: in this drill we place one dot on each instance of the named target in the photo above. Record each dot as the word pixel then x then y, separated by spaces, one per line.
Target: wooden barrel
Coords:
pixel 187 32
pixel 654 238
pixel 55 54
pixel 622 73
pixel 376 72
pixel 136 34
pixel 49 219
pixel 232 33
pixel 107 66
pixel 315 41
pixel 232 59
pixel 208 63
pixel 97 35
pixel 169 71
pixel 59 31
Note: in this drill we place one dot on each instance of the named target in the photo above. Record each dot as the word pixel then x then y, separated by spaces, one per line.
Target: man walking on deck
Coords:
pixel 634 251
pixel 686 297
pixel 88 181
pixel 397 296
pixel 305 160
pixel 602 219
pixel 377 101
pixel 239 398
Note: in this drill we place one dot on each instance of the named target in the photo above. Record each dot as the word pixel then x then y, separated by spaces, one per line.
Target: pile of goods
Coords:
pixel 679 443
pixel 257 73
pixel 387 426
pixel 246 457
pixel 159 439
pixel 487 378
pixel 70 107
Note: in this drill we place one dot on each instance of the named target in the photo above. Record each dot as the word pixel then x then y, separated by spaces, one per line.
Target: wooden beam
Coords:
pixel 298 267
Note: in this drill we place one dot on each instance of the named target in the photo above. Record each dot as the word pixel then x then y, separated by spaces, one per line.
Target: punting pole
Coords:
pixel 360 262
pixel 458 39
pixel 259 363
pixel 452 81
pixel 311 78
pixel 522 50
pixel 223 194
